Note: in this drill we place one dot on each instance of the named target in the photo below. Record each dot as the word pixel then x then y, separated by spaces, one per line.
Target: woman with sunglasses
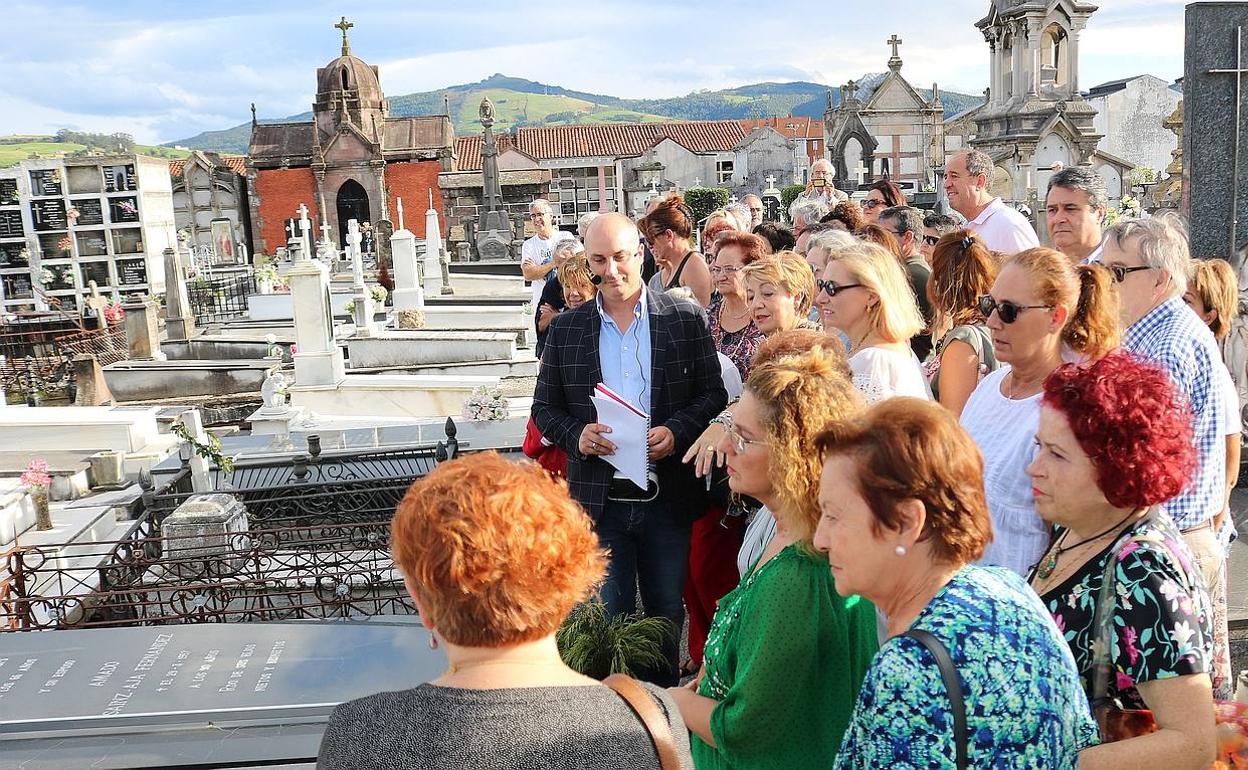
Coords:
pixel 865 293
pixel 1040 312
pixel 786 652
pixel 669 231
pixel 882 194
pixel 963 270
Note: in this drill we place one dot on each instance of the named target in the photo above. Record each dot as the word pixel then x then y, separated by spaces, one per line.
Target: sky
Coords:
pixel 163 71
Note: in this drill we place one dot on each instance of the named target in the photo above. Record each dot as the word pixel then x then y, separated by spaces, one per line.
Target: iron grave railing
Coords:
pixel 219 299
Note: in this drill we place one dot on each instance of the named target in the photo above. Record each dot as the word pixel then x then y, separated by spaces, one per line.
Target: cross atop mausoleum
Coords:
pixel 345 25
pixel 894 63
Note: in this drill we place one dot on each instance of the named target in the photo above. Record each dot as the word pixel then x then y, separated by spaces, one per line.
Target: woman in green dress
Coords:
pixel 786 653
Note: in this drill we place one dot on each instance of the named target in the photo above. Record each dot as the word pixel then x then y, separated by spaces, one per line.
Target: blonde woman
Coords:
pixel 779 290
pixel 865 294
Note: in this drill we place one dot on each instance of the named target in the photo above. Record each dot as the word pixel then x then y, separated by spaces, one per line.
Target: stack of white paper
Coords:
pixel 629 430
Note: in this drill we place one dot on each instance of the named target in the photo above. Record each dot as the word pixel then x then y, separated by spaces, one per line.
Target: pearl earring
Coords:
pixel 433 641
pixel 900 550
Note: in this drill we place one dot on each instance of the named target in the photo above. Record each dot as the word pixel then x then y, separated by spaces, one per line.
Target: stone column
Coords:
pixel 142 329
pixel 179 317
pixel 362 312
pixel 319 359
pixel 433 255
pixel 1016 52
pixel 409 295
pixel 994 68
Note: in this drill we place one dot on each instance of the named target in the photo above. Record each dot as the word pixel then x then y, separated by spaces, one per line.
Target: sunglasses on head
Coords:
pixel 832 287
pixel 1121 271
pixel 1006 311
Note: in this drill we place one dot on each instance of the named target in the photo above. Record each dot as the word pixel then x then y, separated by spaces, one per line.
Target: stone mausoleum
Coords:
pixel 351 161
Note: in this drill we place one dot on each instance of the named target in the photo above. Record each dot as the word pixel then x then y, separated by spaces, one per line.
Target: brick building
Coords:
pixel 351 161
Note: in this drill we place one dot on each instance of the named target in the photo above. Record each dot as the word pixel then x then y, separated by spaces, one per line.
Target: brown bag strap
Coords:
pixel 651 717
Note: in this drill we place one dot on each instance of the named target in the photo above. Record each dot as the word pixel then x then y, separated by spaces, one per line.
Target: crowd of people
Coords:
pixel 929 494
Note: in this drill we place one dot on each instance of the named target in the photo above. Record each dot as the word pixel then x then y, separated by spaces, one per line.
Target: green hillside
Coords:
pixel 520 102
pixel 14 149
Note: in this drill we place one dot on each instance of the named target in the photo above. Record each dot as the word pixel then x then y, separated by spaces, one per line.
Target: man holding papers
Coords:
pixel 626 384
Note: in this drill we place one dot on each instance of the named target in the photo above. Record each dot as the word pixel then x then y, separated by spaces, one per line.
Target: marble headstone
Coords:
pixel 1215 80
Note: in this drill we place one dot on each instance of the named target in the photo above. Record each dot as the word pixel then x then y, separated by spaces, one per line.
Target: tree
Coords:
pixel 789 193
pixel 703 200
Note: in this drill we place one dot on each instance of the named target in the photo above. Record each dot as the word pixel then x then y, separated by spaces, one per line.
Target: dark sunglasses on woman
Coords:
pixel 1006 310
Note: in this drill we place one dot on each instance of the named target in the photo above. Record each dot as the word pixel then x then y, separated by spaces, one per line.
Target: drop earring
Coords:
pixel 900 550
pixel 433 640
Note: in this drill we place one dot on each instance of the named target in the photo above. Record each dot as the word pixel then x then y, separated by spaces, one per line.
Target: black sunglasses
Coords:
pixel 1121 272
pixel 1007 311
pixel 832 287
pixel 931 240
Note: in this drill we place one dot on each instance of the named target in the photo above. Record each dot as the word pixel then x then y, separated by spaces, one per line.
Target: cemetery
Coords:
pixel 215 388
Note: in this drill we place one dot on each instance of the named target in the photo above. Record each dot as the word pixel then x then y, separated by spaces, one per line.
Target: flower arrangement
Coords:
pixel 379 294
pixel 46 277
pixel 24 254
pixel 73 214
pixel 127 208
pixel 485 404
pixel 36 477
pixel 114 313
pixel 266 272
pixel 65 244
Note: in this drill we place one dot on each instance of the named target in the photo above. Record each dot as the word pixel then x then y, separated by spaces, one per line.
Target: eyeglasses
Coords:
pixel 1121 271
pixel 832 287
pixel 1007 311
pixel 931 240
pixel 739 442
pixel 726 270
pixel 871 203
pixel 538 216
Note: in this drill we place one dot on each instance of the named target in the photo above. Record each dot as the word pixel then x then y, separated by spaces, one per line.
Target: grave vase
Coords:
pixel 43 517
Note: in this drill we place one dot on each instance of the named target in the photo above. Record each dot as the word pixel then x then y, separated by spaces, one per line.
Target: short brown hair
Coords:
pixel 963 270
pixel 496 550
pixel 848 214
pixel 799 397
pixel 671 213
pixel 1087 293
pixel 913 449
pixel 753 247
pixel 873 233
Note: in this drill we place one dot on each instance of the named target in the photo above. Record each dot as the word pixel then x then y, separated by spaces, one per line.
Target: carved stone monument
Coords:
pixel 494 232
pixel 319 360
pixel 179 317
pixel 409 295
pixel 204 526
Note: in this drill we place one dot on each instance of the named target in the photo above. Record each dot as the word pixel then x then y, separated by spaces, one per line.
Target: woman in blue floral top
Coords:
pixel 1115 441
pixel 903 517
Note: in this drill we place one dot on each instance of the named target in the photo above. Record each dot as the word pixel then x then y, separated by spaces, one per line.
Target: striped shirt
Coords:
pixel 1174 337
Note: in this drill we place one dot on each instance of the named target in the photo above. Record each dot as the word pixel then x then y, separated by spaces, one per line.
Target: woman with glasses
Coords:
pixel 882 194
pixel 865 293
pixel 669 231
pixel 1040 311
pixel 779 290
pixel 962 271
pixel 732 324
pixel 786 652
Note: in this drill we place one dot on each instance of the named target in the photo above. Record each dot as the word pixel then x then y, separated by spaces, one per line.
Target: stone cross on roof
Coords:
pixel 345 25
pixel 894 63
pixel 771 180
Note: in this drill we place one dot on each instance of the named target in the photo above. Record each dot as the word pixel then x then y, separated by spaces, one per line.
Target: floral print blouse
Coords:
pixel 1161 618
pixel 740 345
pixel 1024 705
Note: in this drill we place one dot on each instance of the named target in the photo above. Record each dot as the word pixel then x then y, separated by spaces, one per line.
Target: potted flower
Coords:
pixel 379 294
pixel 37 481
pixel 114 313
pixel 65 244
pixel 266 277
pixel 485 404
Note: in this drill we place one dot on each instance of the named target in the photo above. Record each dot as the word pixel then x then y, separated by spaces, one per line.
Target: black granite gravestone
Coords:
pixel 182 696
pixel 1215 153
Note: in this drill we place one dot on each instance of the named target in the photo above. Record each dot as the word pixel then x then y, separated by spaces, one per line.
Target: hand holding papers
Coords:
pixel 629 429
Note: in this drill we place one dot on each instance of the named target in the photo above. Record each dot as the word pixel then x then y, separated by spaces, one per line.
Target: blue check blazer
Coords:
pixel 686 392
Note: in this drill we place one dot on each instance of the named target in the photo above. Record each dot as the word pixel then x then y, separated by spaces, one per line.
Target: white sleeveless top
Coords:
pixel 1004 429
pixel 880 373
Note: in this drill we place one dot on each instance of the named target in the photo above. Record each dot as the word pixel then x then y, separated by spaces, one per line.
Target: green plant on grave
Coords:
pixel 210 451
pixel 703 200
pixel 598 646
pixel 789 193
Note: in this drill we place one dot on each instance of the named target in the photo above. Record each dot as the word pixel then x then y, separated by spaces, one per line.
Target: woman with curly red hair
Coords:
pixel 496 554
pixel 1115 442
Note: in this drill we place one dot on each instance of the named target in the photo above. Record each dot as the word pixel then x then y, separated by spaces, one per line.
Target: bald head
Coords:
pixel 613 247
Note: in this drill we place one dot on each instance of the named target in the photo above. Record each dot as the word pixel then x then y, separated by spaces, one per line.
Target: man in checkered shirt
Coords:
pixel 1150 262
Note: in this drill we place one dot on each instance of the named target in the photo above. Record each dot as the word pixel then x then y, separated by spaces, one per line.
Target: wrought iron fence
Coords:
pixel 337 571
pixel 40 359
pixel 222 298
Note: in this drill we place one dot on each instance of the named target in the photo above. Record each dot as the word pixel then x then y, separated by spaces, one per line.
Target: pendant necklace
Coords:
pixel 1049 565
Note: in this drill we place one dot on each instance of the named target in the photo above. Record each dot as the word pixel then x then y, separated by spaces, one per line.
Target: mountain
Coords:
pixel 520 102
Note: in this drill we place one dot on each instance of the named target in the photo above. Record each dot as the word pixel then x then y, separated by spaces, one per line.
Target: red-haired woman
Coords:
pixel 669 231
pixel 882 194
pixel 1115 442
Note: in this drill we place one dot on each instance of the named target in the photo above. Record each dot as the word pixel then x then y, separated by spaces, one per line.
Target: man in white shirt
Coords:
pixel 1075 205
pixel 537 254
pixel 967 179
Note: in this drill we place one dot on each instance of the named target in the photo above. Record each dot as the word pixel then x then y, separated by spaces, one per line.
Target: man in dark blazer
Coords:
pixel 657 353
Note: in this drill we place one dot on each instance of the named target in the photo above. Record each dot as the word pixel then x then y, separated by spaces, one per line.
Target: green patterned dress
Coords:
pixel 784 658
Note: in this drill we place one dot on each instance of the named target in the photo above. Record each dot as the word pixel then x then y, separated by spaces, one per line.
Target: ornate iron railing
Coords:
pixel 38 361
pixel 337 571
pixel 220 299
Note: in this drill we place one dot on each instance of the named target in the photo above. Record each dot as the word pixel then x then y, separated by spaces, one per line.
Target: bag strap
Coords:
pixel 651 716
pixel 949 673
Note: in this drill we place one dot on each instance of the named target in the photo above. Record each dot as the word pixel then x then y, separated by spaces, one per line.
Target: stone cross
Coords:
pixel 732 199
pixel 697 181
pixel 353 252
pixel 771 180
pixel 344 25
pixel 860 171
pixel 305 227
pixel 325 228
pixel 895 41
pixel 1239 70
pixel 400 207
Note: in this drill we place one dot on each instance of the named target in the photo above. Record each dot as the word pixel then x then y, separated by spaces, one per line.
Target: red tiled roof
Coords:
pixel 237 164
pixel 792 127
pixel 611 140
